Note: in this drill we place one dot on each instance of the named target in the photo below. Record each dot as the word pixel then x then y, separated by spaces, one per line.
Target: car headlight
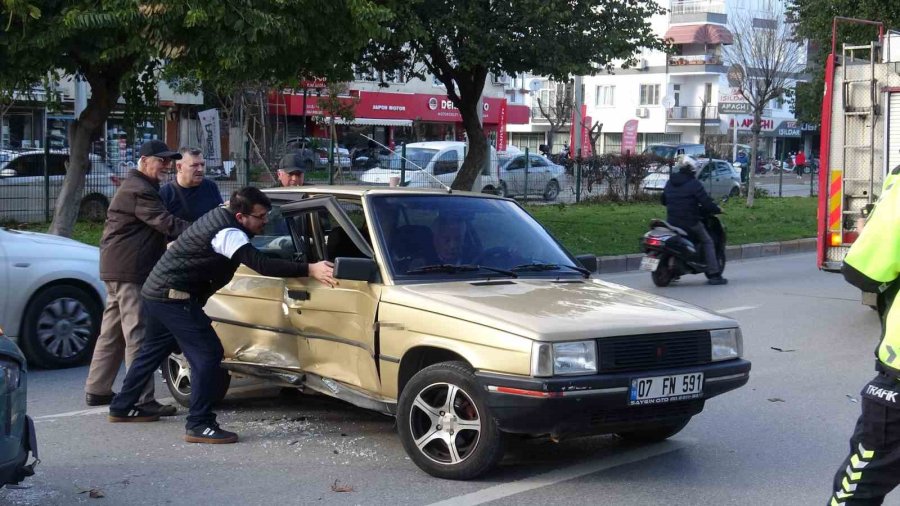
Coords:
pixel 564 359
pixel 726 344
pixel 10 375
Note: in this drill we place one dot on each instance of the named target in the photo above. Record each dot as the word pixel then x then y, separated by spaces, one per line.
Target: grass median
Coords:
pixel 615 229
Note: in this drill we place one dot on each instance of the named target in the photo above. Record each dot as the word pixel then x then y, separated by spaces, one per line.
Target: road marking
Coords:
pixel 735 309
pixel 167 400
pixel 569 473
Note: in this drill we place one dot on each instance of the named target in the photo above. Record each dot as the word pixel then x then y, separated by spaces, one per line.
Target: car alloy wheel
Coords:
pixel 445 424
pixel 551 191
pixel 60 326
pixel 176 373
pixel 64 327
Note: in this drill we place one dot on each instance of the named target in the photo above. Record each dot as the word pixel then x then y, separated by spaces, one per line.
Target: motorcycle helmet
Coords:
pixel 687 164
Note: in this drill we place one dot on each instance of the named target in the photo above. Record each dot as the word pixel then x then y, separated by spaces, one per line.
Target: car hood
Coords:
pixel 547 310
pixel 47 245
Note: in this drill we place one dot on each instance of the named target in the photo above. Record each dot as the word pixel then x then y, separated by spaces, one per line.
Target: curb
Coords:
pixel 628 263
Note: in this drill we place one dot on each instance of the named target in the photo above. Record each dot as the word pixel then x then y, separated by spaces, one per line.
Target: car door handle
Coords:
pixel 298 294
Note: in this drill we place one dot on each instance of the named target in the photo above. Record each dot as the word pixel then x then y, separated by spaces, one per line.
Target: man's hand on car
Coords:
pixel 323 272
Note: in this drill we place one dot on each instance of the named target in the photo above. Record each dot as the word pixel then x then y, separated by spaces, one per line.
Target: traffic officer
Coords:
pixel 201 261
pixel 873 264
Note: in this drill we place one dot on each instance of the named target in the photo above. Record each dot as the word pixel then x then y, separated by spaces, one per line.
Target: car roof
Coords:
pixel 436 144
pixel 299 192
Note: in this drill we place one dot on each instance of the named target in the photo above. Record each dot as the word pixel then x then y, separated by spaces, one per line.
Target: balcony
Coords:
pixel 696 64
pixel 690 115
pixel 698 11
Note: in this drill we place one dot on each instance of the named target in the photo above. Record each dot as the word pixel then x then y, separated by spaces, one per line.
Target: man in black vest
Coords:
pixel 200 262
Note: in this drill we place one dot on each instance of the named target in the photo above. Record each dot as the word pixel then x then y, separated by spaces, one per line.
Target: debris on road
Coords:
pixel 781 350
pixel 93 493
pixel 340 488
pixel 775 399
pixel 852 399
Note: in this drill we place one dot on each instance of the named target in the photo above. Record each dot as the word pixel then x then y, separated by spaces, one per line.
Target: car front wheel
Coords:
pixel 176 373
pixel 445 425
pixel 60 327
pixel 551 191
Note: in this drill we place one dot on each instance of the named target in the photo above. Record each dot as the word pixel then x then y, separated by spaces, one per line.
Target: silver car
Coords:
pixel 543 176
pixel 719 178
pixel 54 311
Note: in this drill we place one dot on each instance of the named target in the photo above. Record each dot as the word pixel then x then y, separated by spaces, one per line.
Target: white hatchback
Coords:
pixel 54 311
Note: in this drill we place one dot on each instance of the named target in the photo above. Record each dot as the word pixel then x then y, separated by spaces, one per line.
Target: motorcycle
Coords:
pixel 670 252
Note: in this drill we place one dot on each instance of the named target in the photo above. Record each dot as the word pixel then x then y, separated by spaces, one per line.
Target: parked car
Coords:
pixel 17 439
pixel 55 309
pixel 311 153
pixel 22 185
pixel 719 178
pixel 543 177
pixel 459 314
pixel 671 151
pixel 430 165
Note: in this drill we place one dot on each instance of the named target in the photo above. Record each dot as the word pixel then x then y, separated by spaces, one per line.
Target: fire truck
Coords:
pixel 860 140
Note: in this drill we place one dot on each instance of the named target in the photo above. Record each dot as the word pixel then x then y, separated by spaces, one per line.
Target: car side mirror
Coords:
pixel 8 173
pixel 355 269
pixel 589 262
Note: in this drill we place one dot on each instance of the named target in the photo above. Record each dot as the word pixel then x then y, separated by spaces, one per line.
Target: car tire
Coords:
pixel 503 190
pixel 60 327
pixel 176 373
pixel 551 191
pixel 490 190
pixel 653 433
pixel 735 191
pixel 663 274
pixel 93 208
pixel 465 422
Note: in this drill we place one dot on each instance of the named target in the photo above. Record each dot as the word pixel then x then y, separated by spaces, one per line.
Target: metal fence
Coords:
pixel 29 187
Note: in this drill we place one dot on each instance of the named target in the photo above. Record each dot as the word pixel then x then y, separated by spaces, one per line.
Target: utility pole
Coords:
pixel 579 98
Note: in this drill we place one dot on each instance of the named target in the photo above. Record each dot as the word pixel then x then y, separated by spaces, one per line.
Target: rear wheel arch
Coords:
pixel 421 357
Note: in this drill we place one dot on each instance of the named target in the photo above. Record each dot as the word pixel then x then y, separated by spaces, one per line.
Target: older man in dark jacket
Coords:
pixel 686 202
pixel 134 238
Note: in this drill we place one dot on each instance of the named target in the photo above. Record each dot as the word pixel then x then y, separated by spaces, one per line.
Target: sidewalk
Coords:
pixel 622 263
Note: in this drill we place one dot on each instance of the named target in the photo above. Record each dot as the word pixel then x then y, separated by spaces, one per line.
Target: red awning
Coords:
pixel 699 34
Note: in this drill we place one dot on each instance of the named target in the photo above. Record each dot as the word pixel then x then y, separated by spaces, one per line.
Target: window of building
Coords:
pixel 707 93
pixel 605 96
pixel 649 94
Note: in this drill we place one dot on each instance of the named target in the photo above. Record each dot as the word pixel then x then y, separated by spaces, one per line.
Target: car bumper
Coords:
pixel 15 468
pixel 596 404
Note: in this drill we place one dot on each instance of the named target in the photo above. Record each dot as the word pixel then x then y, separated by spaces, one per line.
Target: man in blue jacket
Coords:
pixel 686 202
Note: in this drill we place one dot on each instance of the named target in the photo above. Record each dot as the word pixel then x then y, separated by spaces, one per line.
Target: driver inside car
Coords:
pixel 448 240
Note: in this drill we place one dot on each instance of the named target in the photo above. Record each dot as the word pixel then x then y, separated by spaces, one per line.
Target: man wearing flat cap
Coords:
pixel 134 239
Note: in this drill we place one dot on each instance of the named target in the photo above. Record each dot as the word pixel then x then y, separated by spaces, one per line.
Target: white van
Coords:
pixel 428 164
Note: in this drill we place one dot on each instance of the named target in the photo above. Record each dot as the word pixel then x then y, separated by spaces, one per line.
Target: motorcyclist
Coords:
pixel 686 202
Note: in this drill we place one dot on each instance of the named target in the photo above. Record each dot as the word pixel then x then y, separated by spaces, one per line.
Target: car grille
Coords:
pixel 654 351
pixel 637 414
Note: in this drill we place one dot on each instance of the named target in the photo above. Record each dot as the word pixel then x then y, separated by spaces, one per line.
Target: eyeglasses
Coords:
pixel 263 217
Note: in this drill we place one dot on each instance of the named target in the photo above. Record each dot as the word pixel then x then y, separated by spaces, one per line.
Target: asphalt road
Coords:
pixel 777 440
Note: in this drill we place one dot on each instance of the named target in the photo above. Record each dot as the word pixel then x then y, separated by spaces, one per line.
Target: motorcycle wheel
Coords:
pixel 663 274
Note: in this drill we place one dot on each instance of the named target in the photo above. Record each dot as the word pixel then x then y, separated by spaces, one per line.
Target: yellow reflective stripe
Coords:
pixel 834 502
pixel 841 496
pixel 853 476
pixel 854 461
pixel 848 487
pixel 865 454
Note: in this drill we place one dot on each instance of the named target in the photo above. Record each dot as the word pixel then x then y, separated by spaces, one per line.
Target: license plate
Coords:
pixel 662 389
pixel 649 263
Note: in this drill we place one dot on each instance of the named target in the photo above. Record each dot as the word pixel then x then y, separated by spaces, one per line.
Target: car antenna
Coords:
pixel 414 164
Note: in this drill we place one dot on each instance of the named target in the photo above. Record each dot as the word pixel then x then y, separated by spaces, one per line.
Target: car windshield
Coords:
pixel 441 236
pixel 417 158
pixel 661 151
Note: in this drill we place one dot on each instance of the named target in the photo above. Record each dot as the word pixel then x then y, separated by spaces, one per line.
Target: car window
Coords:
pixel 537 161
pixel 275 241
pixel 447 163
pixel 723 169
pixel 420 230
pixel 27 165
pixel 704 172
pixel 695 150
pixel 518 163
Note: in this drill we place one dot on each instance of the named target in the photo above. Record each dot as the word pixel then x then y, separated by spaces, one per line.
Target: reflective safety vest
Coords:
pixel 873 265
pixel 891 179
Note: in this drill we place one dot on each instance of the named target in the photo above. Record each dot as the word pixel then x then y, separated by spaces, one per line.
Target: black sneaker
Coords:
pixel 718 280
pixel 97 399
pixel 160 409
pixel 134 414
pixel 210 434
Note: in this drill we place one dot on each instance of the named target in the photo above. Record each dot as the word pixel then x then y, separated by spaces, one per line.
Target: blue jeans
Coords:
pixel 183 323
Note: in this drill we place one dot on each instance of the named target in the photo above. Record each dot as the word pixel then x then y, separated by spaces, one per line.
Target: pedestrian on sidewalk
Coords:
pixel 800 163
pixel 134 238
pixel 872 469
pixel 200 262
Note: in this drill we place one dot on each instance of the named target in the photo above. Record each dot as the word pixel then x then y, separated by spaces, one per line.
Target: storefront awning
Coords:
pixel 699 34
pixel 375 122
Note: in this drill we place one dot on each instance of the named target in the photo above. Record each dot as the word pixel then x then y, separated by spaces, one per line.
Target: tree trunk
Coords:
pixel 754 155
pixel 477 152
pixel 105 91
